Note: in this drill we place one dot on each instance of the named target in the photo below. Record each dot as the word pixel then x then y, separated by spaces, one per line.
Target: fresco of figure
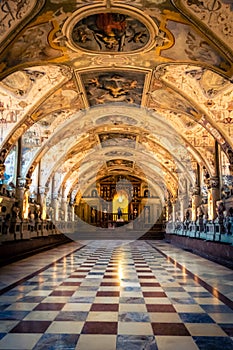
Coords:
pixel 110 32
pixel 113 87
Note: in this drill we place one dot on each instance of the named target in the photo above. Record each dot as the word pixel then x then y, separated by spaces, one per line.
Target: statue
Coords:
pixel 220 212
pixel 119 213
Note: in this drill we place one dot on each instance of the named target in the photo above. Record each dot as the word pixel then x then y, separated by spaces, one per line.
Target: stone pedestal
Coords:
pixel 193 229
pixel 213 232
pixel 39 227
pixel 44 228
pixel 25 232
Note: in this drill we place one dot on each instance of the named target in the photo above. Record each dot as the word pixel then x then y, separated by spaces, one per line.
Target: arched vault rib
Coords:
pixel 21 93
pixel 199 12
pixel 69 152
pixel 179 101
pixel 199 86
pixel 136 156
pixel 21 130
pixel 27 121
pixel 79 148
pixel 78 161
pixel 97 162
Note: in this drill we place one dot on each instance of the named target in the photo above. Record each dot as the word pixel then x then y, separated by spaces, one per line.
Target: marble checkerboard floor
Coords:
pixel 114 295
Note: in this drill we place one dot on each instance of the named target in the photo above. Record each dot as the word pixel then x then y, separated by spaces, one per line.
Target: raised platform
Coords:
pixel 11 251
pixel 219 252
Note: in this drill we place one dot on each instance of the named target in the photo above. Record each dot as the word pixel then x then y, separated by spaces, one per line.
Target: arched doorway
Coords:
pixel 120 200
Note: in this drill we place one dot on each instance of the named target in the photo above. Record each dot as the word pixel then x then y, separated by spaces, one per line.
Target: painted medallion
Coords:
pixel 110 32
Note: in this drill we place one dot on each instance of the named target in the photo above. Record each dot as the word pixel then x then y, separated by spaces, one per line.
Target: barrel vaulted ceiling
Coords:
pixel 95 88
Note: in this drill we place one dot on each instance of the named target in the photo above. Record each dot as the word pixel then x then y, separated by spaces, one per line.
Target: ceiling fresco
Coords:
pixel 13 14
pixel 190 46
pixel 139 87
pixel 214 15
pixel 113 86
pixel 118 140
pixel 110 32
pixel 21 91
pixel 119 162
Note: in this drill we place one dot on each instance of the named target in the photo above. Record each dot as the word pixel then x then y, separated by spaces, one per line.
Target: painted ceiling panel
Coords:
pixel 114 86
pixel 110 32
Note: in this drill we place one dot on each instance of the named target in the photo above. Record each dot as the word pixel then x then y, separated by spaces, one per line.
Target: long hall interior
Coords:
pixel 116 174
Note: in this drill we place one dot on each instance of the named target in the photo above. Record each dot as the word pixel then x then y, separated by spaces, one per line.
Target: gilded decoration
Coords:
pixel 21 91
pixel 118 30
